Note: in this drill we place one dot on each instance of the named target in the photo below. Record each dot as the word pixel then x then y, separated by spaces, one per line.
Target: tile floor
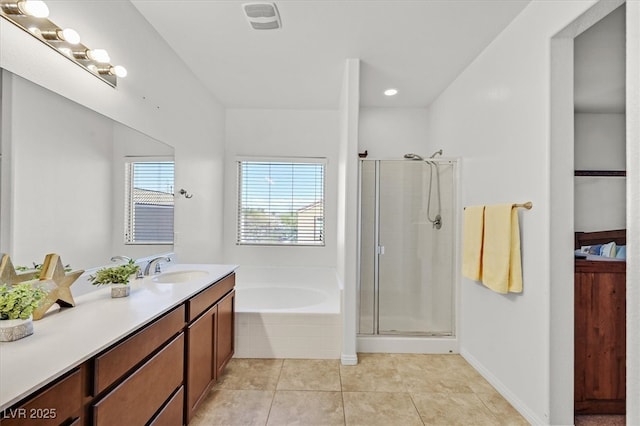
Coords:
pixel 383 389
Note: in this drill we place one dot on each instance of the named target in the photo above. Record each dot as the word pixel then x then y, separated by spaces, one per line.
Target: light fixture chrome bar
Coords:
pixel 30 16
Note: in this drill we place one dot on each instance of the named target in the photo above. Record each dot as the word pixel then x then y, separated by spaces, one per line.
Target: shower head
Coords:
pixel 413 157
pixel 439 152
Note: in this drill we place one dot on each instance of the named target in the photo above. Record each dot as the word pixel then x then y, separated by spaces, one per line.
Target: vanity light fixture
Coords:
pixel 69 35
pixel 391 92
pixel 34 8
pixel 96 55
pixel 31 16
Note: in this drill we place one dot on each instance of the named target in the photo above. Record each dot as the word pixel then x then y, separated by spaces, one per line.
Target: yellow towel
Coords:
pixel 501 264
pixel 472 243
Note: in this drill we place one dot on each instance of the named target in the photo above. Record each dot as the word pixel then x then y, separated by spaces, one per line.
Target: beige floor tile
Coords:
pixel 453 409
pixel 306 408
pixel 502 409
pixel 250 374
pixel 480 385
pixel 234 407
pixel 310 374
pixel 374 372
pixel 435 373
pixel 379 408
pixel 383 389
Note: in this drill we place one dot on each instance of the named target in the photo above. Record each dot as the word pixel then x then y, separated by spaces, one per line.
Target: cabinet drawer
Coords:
pixel 58 404
pixel 202 301
pixel 135 400
pixel 111 365
pixel 171 413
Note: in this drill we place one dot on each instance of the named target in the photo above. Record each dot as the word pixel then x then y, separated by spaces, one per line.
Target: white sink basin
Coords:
pixel 179 276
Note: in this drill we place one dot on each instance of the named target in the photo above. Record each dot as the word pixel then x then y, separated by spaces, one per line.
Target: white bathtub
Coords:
pixel 287 312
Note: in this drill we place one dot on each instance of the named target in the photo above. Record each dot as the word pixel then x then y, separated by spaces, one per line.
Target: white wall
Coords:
pixel 633 213
pixel 347 188
pixel 600 202
pixel 160 97
pixel 495 116
pixel 392 132
pixel 281 133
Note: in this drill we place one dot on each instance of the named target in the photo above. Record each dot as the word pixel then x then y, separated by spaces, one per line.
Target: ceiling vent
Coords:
pixel 262 15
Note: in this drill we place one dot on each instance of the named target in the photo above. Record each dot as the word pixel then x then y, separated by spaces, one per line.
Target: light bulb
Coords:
pixel 98 55
pixel 69 35
pixel 391 92
pixel 35 8
pixel 92 68
pixel 119 71
pixel 66 51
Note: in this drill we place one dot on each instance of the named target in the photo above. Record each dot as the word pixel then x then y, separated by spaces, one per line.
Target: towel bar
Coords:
pixel 528 205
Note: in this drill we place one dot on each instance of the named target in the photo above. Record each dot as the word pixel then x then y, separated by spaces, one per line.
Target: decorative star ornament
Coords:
pixel 8 274
pixel 57 282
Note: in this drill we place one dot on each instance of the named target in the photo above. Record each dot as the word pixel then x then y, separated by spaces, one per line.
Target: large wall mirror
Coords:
pixel 63 184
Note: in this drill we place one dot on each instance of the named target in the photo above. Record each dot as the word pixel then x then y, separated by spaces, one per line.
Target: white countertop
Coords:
pixel 65 339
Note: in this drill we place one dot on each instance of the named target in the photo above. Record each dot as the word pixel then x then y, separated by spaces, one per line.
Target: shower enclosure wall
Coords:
pixel 407 258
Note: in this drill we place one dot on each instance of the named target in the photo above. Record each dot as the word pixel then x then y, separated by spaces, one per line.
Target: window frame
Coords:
pixel 322 161
pixel 129 162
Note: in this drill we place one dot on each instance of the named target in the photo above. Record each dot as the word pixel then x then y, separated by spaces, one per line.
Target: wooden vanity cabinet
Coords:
pixel 58 404
pixel 140 375
pixel 600 337
pixel 144 392
pixel 209 340
pixel 226 331
pixel 157 375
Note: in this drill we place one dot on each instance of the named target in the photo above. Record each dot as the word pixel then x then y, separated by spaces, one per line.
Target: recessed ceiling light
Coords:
pixel 391 92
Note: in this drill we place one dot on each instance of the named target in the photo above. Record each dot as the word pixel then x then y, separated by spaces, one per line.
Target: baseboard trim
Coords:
pixel 506 393
pixel 349 359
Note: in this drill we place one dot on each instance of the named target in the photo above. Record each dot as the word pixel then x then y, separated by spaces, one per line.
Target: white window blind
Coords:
pixel 149 202
pixel 281 202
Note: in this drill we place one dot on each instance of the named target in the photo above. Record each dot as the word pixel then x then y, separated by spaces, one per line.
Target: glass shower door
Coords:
pixel 409 259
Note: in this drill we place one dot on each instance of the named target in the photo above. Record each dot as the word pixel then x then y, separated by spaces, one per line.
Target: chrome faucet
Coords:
pixel 155 263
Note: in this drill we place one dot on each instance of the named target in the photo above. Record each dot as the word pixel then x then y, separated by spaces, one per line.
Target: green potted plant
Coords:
pixel 116 276
pixel 17 303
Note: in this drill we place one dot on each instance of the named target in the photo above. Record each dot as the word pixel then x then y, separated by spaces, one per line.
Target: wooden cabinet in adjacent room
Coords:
pixel 600 337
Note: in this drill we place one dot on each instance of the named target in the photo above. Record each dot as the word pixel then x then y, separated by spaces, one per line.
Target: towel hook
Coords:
pixel 184 192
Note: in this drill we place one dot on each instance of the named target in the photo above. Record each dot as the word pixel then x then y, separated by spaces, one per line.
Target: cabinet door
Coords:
pixel 136 400
pixel 225 340
pixel 201 356
pixel 600 342
pixel 59 404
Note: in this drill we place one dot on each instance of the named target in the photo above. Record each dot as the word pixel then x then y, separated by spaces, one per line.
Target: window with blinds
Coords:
pixel 149 202
pixel 281 202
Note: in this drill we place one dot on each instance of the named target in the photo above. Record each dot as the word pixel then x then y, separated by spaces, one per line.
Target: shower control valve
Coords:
pixel 437 223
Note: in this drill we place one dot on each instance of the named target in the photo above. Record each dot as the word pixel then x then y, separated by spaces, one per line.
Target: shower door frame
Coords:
pixel 455 275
